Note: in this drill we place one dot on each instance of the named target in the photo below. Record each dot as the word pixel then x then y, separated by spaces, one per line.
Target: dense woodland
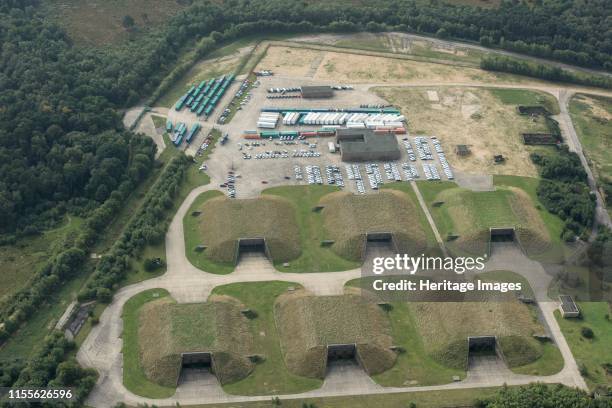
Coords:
pixel 543 396
pixel 564 191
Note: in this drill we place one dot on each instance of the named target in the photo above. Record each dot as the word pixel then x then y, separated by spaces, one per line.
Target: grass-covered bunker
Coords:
pixel 268 222
pixel 316 329
pixel 172 335
pixel 475 219
pixel 350 220
pixel 450 330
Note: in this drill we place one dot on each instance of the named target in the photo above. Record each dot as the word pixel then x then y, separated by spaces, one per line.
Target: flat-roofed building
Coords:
pixel 317 92
pixel 568 307
pixel 365 145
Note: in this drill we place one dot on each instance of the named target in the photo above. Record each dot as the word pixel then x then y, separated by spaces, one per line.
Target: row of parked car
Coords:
pixel 230 184
pixel 443 162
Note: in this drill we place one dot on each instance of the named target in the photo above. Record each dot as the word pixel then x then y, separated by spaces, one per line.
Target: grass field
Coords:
pixel 484 119
pixel 193 238
pixel 97 22
pixel 134 378
pixel 314 257
pixel 19 262
pixel 469 215
pixel 271 375
pixel 415 366
pixel 517 97
pixel 591 354
pixel 592 117
pixel 348 218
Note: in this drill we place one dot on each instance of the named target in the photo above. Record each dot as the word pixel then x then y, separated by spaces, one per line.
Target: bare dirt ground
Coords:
pixel 351 67
pixel 473 117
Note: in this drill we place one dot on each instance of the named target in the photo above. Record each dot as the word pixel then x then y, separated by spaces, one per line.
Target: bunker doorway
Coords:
pixel 252 248
pixel 482 346
pixel 198 360
pixel 339 352
pixel 503 235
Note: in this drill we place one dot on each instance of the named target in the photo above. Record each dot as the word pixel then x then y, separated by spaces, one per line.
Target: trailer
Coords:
pixel 180 103
pixel 193 132
pixel 168 125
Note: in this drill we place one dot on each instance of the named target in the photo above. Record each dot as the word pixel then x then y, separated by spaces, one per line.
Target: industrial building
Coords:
pixel 365 145
pixel 317 92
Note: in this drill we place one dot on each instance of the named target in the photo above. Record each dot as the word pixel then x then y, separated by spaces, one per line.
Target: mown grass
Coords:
pixel 270 376
pixel 193 238
pixel 553 224
pixel 314 257
pixel 414 366
pixel 527 97
pixel 133 375
pixel 591 354
pixel 469 215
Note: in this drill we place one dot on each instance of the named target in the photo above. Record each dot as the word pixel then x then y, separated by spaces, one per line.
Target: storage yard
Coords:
pixel 304 140
pixel 291 106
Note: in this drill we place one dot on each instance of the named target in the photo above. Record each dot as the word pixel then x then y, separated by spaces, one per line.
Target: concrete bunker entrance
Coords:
pixel 198 360
pixel 503 235
pixel 504 239
pixel 339 352
pixel 252 248
pixel 379 244
pixel 198 370
pixel 482 345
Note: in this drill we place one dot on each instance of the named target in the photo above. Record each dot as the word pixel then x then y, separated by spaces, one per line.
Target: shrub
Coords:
pixel 587 332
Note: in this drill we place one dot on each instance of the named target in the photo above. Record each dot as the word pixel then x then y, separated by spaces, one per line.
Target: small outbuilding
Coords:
pixel 568 307
pixel 462 150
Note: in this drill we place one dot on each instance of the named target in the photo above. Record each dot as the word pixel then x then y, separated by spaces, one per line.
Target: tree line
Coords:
pixel 564 191
pixel 542 396
pixel 547 72
pixel 147 227
pixel 50 367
